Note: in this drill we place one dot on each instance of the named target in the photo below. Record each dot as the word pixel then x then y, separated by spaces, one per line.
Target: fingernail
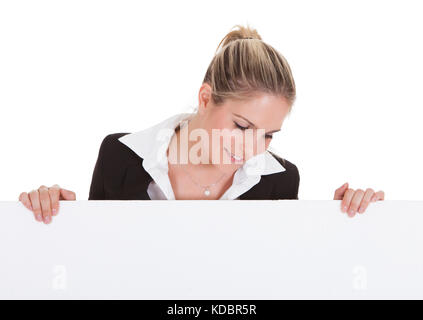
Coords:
pixel 54 211
pixel 47 219
pixel 39 217
pixel 360 210
pixel 351 213
pixel 345 208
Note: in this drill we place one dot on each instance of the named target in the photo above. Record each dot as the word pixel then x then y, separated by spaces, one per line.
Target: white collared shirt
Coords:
pixel 152 143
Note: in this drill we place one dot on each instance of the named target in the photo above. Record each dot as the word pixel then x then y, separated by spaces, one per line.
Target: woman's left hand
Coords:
pixel 354 201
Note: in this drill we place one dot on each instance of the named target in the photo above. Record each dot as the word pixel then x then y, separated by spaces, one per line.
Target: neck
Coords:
pixel 203 172
pixel 176 149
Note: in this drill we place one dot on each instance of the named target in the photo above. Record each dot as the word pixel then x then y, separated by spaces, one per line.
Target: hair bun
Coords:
pixel 242 33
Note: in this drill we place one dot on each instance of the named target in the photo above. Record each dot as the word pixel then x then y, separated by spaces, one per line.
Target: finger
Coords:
pixel 45 204
pixel 24 198
pixel 347 199
pixel 54 192
pixel 339 193
pixel 67 194
pixel 36 206
pixel 380 195
pixel 366 200
pixel 355 202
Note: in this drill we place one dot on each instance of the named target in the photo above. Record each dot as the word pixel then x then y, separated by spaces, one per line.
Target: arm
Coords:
pixel 97 181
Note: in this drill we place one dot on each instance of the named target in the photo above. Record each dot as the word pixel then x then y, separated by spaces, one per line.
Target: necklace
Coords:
pixel 206 187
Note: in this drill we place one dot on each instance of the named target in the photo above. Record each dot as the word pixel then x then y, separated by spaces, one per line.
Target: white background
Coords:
pixel 72 72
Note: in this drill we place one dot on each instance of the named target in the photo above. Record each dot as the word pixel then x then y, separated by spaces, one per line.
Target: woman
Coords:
pixel 221 151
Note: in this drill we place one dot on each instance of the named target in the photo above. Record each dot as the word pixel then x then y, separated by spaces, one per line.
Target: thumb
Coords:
pixel 339 193
pixel 67 195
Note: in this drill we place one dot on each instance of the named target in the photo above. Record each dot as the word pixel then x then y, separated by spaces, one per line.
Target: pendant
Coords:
pixel 207 192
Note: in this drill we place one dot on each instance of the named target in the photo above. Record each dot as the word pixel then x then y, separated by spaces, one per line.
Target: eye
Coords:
pixel 268 136
pixel 241 127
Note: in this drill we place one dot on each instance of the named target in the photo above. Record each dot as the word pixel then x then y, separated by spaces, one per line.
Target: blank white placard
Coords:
pixel 187 249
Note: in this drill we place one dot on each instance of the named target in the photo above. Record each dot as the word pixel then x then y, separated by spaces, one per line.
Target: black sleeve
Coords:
pixel 296 183
pixel 97 182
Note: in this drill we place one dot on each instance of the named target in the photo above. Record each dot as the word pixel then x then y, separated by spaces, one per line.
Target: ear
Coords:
pixel 204 97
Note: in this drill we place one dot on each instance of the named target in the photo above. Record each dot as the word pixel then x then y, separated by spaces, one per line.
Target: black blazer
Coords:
pixel 119 175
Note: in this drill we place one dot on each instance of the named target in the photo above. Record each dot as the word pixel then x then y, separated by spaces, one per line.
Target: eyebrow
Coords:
pixel 238 115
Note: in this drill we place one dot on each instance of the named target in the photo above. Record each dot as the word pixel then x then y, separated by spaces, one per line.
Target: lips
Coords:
pixel 234 158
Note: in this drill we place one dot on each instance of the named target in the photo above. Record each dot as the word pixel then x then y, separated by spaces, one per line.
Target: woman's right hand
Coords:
pixel 44 202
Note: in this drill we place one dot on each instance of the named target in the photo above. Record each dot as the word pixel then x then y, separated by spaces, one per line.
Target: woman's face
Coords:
pixel 261 115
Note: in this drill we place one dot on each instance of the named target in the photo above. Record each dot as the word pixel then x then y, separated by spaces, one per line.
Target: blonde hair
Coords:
pixel 246 65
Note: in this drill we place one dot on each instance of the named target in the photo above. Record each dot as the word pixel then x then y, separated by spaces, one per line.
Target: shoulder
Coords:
pixel 112 140
pixel 114 151
pixel 286 183
pixel 290 168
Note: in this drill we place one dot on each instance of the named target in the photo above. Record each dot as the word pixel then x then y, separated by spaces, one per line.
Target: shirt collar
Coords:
pixel 151 144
